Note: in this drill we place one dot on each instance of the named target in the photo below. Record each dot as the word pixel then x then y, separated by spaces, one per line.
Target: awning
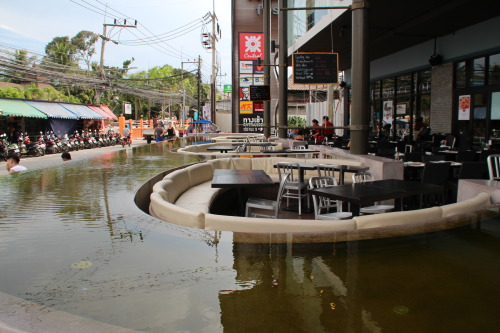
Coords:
pixel 53 110
pixel 100 111
pixel 108 111
pixel 82 111
pixel 16 108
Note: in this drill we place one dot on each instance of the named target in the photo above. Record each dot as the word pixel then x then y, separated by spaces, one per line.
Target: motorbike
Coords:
pixel 3 147
pixel 125 140
pixel 41 144
pixel 27 147
pixel 50 144
pixel 13 149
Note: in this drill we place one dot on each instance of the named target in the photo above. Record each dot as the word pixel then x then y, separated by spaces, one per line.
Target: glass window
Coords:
pixel 479 119
pixel 461 75
pixel 494 69
pixel 478 67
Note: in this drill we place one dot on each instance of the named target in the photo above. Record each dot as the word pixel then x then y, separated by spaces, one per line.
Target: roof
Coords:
pixel 100 111
pixel 108 111
pixel 16 108
pixel 53 110
pixel 82 111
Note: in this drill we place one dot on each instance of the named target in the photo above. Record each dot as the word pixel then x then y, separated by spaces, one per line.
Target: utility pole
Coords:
pixel 105 39
pixel 215 32
pixel 200 112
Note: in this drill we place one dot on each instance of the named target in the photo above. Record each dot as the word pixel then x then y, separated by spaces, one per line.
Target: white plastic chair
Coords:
pixel 272 205
pixel 494 166
pixel 377 208
pixel 321 203
pixel 294 188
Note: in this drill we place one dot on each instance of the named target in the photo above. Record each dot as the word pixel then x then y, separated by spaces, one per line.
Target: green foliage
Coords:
pixel 295 121
pixel 12 92
pixel 84 45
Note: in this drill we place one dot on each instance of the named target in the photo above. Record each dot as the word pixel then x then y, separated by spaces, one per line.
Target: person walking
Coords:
pixel 159 132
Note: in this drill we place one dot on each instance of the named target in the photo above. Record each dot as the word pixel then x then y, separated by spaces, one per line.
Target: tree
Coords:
pixel 84 46
pixel 61 51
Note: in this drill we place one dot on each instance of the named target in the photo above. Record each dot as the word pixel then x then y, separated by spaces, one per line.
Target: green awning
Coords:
pixel 14 108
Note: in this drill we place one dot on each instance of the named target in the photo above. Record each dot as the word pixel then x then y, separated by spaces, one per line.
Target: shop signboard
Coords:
pixel 251 123
pixel 464 107
pixel 251 45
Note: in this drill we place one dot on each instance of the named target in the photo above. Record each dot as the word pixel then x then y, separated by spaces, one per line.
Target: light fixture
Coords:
pixel 435 59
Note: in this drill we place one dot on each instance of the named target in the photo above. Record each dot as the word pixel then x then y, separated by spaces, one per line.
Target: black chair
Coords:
pixel 468 170
pixel 413 157
pixel 432 158
pixel 385 152
pixel 437 174
pixel 487 152
pixel 466 156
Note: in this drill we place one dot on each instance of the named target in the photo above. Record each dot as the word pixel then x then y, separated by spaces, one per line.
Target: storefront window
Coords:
pixel 478 67
pixel 494 69
pixel 461 75
pixel 479 119
pixel 403 107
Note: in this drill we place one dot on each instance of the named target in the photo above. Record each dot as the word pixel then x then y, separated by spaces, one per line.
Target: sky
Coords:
pixel 31 24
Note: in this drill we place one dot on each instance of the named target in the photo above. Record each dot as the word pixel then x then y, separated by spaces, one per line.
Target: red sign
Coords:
pixel 251 45
pixel 258 106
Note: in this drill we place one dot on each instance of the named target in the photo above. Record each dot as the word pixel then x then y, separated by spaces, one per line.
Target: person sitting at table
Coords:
pixel 327 132
pixel 300 135
pixel 420 126
pixel 316 132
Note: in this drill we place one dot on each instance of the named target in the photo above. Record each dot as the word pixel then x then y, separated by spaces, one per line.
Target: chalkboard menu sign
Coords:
pixel 315 68
pixel 260 93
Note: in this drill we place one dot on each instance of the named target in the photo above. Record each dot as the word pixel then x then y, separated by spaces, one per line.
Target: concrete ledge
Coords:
pixel 191 204
pixel 18 315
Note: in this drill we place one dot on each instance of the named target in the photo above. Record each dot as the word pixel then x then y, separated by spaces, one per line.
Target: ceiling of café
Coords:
pixel 396 25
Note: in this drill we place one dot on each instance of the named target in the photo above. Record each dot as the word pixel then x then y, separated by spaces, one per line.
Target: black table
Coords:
pixel 342 169
pixel 240 180
pixel 362 194
pixel 222 149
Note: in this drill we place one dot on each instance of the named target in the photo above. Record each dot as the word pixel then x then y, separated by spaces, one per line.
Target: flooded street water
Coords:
pixel 72 239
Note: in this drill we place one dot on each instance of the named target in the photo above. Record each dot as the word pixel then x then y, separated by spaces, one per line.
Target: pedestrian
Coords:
pixel 66 156
pixel 327 132
pixel 159 132
pixel 13 165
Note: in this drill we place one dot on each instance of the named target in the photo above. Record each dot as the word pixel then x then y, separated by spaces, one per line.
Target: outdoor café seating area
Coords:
pixel 258 195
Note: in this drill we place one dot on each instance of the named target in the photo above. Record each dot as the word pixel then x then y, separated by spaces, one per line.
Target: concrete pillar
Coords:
pixel 360 85
pixel 283 71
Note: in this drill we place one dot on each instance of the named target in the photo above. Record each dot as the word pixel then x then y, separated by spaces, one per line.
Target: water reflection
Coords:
pixel 148 275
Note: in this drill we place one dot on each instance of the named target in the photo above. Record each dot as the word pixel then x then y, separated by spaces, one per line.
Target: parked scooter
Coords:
pixel 51 147
pixel 3 147
pixel 41 144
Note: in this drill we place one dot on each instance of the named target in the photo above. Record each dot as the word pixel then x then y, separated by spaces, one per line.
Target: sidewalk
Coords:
pixel 49 160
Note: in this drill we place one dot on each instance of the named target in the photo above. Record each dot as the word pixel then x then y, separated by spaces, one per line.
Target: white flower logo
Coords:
pixel 252 44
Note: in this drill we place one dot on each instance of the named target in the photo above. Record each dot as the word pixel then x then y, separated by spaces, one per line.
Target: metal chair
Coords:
pixel 328 170
pixel 272 205
pixel 323 203
pixel 377 208
pixel 494 166
pixel 294 188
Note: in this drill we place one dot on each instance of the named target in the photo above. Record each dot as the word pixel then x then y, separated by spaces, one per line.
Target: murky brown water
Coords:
pixel 150 276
